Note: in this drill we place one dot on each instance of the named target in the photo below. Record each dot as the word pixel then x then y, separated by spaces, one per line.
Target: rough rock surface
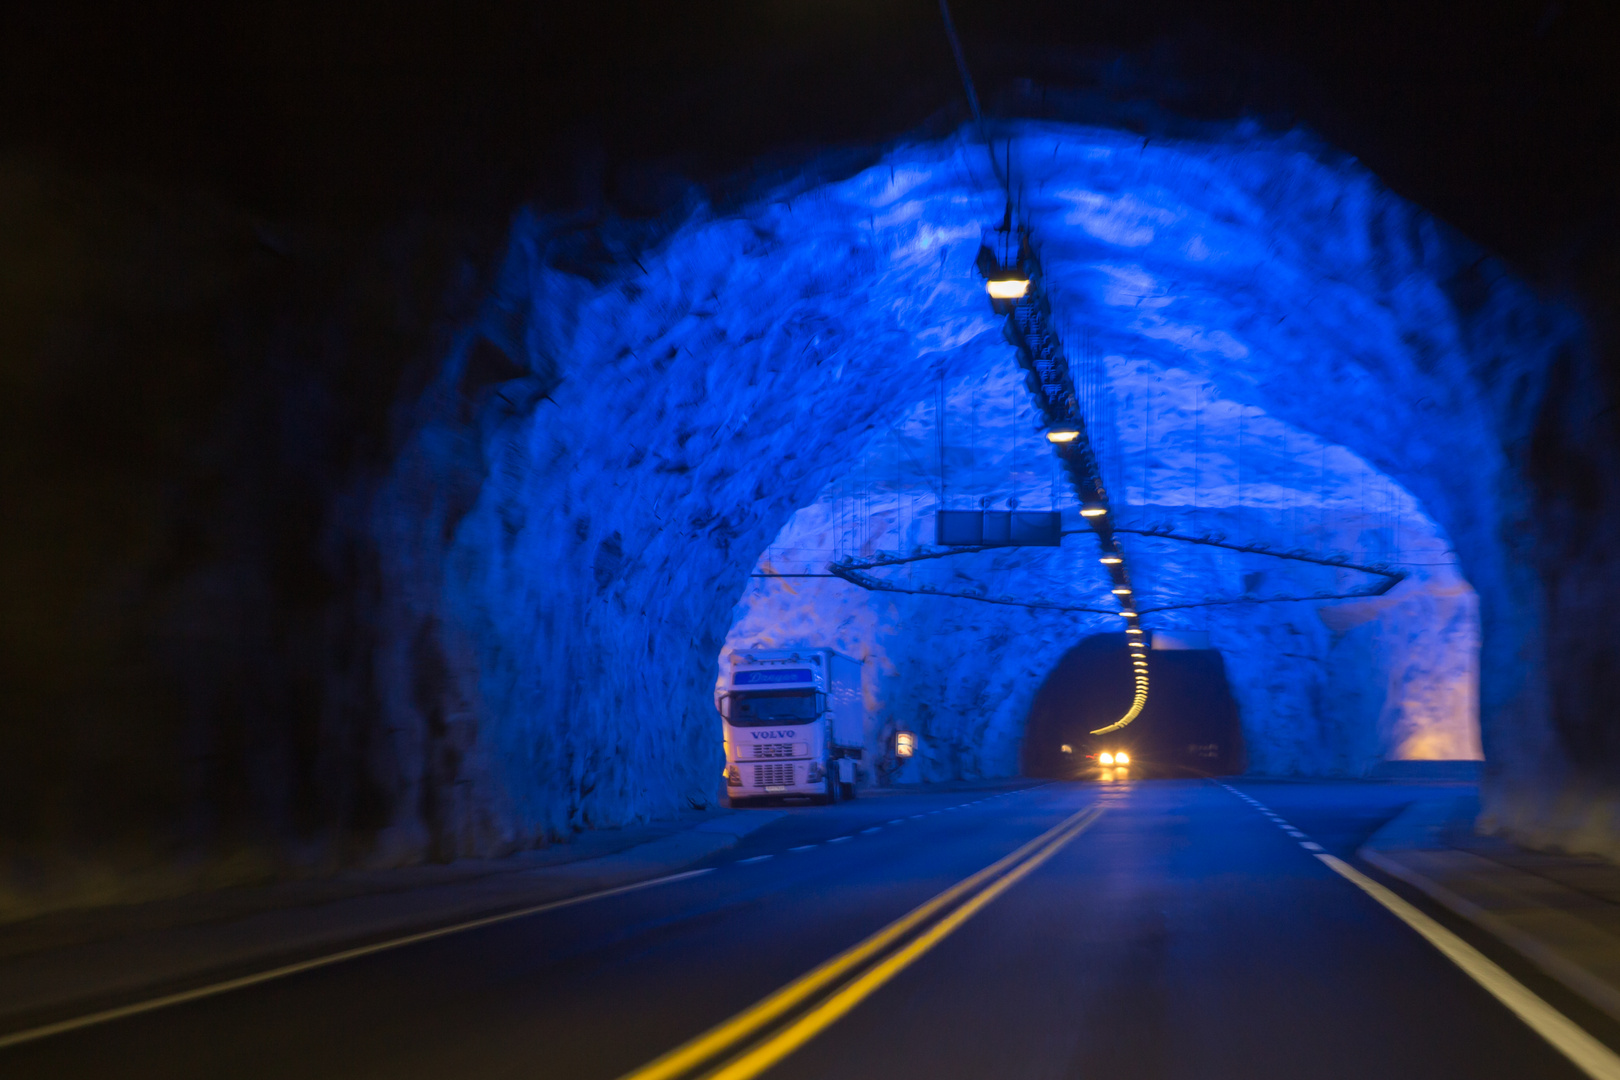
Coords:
pixel 1324 687
pixel 762 354
pixel 465 606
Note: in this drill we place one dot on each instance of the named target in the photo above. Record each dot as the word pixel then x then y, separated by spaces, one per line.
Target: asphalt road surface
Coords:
pixel 1125 929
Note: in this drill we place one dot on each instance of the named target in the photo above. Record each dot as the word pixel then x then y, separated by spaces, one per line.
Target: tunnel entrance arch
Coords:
pixel 1190 726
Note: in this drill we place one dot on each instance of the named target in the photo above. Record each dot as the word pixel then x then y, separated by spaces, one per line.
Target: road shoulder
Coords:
pixel 98 959
pixel 1562 913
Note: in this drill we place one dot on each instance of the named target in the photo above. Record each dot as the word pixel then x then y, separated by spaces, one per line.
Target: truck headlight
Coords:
pixel 1105 758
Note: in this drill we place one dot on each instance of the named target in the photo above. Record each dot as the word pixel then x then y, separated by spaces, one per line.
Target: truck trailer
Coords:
pixel 794 723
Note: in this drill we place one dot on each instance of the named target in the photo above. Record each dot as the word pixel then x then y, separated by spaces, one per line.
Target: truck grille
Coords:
pixel 773 775
pixel 770 751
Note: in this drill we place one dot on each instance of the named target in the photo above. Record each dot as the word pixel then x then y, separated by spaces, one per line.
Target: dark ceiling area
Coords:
pixel 1501 118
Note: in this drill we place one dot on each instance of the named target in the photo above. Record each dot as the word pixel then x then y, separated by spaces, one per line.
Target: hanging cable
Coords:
pixel 973 98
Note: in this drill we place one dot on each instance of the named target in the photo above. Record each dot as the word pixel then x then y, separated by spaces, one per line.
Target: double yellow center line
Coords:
pixel 771 1029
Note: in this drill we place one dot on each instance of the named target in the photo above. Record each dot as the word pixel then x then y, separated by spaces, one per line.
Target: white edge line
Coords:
pixel 1587 1054
pixel 136 1008
pixel 1566 971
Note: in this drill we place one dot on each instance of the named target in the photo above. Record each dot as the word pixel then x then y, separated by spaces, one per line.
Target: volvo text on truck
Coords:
pixel 794 723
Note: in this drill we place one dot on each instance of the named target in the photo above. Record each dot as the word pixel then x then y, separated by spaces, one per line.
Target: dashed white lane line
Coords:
pixel 879 828
pixel 1277 820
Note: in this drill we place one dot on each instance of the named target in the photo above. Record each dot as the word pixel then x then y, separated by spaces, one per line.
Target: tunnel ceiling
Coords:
pixel 402 398
pixel 1330 686
pixel 760 353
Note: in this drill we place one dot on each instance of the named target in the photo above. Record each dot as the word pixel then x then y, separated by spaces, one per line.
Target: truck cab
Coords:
pixel 793 721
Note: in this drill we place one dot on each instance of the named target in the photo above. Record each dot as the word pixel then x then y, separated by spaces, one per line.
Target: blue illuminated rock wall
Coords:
pixel 359 612
pixel 577 608
pixel 1324 687
pixel 571 605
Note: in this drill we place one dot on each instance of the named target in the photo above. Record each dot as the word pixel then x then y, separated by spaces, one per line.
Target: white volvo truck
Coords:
pixel 794 723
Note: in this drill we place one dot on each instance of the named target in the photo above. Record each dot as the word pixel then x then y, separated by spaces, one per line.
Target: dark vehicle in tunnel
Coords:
pixel 794 725
pixel 1189 727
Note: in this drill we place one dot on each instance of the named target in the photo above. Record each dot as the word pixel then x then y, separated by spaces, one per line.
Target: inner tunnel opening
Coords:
pixel 1189 727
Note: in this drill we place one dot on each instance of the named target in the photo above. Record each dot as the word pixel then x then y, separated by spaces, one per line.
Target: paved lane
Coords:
pixel 1182 934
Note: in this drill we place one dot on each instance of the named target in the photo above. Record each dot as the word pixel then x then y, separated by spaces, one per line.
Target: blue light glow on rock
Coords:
pixel 1278 357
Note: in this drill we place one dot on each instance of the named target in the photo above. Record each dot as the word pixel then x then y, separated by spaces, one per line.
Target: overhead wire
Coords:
pixel 1041 355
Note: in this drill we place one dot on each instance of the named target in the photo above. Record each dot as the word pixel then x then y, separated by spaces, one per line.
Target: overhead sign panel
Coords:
pixel 998 528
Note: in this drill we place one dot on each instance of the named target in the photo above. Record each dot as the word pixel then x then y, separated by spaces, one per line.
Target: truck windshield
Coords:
pixel 773 707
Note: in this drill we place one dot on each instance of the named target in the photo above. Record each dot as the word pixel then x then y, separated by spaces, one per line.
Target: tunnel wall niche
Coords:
pixel 499 624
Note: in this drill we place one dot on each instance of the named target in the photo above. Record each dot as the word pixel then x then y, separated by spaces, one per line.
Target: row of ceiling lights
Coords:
pixel 1013 284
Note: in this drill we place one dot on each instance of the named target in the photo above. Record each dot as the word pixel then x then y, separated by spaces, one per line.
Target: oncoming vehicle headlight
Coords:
pixel 1105 758
pixel 1122 758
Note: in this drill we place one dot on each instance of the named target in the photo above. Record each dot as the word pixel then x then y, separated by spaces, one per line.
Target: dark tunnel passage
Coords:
pixel 940 539
pixel 391 478
pixel 1189 727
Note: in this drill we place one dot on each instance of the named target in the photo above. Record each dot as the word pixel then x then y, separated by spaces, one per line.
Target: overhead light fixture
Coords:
pixel 1111 560
pixel 1122 590
pixel 1127 614
pixel 1133 630
pixel 1006 287
pixel 1093 508
pixel 1066 430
